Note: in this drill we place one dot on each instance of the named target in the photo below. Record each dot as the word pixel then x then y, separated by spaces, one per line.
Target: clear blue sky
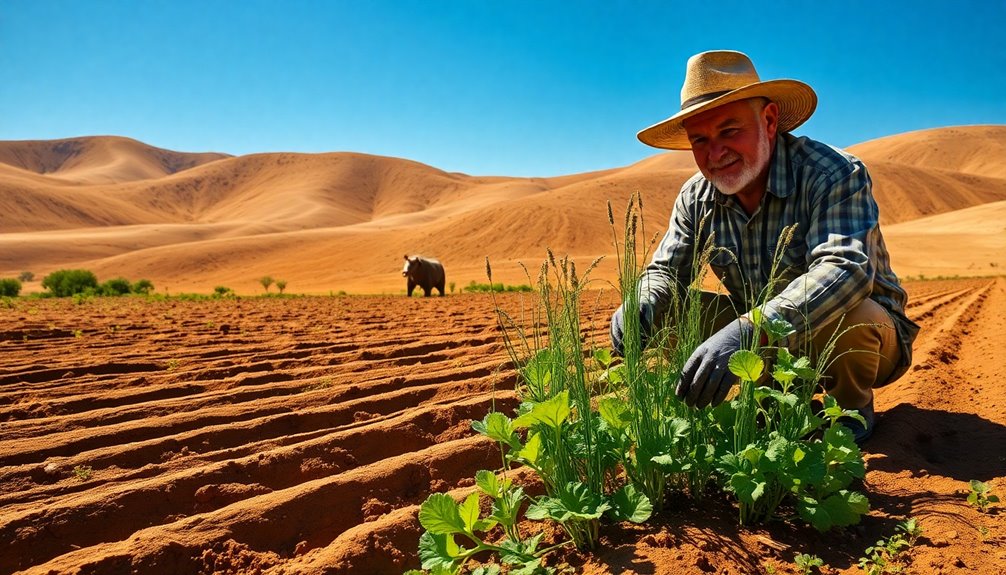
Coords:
pixel 519 88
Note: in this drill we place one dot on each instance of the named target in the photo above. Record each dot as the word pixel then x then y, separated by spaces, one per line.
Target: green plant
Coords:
pixel 451 286
pixel 806 563
pixel 266 281
pixel 10 287
pixel 444 519
pixel 474 287
pixel 142 287
pixel 172 364
pixel 65 283
pixel 222 291
pixel 980 495
pixel 26 276
pixel 83 472
pixel 887 555
pixel 115 287
pixel 280 285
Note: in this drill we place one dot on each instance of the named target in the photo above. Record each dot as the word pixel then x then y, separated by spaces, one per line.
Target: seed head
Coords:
pixel 551 257
pixel 572 275
pixel 489 270
pixel 611 218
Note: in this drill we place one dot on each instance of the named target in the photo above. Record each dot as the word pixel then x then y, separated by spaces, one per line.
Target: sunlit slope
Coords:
pixel 99 159
pixel 965 242
pixel 342 221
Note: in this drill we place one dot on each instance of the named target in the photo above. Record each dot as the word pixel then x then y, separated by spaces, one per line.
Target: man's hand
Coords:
pixel 618 327
pixel 706 379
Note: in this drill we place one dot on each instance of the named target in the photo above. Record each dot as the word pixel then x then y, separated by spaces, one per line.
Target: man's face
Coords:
pixel 732 144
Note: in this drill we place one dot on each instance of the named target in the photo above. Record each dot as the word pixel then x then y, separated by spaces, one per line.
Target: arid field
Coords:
pixel 299 434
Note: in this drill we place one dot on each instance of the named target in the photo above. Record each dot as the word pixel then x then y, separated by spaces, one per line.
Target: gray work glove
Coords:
pixel 706 379
pixel 618 327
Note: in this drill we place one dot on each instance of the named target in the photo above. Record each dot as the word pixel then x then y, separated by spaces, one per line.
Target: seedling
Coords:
pixel 83 472
pixel 806 563
pixel 887 556
pixel 981 496
pixel 172 364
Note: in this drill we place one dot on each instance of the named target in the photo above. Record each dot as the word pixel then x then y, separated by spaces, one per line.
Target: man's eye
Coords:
pixel 729 132
pixel 698 141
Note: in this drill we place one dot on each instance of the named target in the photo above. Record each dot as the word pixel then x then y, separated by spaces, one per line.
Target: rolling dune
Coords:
pixel 341 221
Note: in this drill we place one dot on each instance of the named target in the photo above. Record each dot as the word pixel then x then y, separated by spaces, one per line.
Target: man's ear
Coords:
pixel 770 115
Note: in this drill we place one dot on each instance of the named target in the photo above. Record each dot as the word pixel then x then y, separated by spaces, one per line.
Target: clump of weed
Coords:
pixel 980 496
pixel 83 472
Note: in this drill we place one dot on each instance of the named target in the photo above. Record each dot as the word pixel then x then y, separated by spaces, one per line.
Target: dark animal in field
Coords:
pixel 426 273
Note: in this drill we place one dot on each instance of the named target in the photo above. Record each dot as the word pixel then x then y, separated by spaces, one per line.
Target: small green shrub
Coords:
pixel 10 287
pixel 474 287
pixel 981 497
pixel 65 283
pixel 266 281
pixel 26 276
pixel 115 287
pixel 281 285
pixel 222 291
pixel 142 287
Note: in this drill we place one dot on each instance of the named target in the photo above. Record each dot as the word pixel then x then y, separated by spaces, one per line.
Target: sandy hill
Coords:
pixel 342 221
pixel 99 159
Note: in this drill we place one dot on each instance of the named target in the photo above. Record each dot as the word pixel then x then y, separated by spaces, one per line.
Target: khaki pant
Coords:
pixel 864 357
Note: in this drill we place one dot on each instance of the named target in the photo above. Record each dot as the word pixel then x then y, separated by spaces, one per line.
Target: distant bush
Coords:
pixel 266 281
pixel 496 287
pixel 222 291
pixel 65 283
pixel 115 287
pixel 142 287
pixel 10 287
pixel 281 285
pixel 26 277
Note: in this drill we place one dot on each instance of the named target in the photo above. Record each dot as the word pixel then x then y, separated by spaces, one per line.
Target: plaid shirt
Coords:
pixel 835 260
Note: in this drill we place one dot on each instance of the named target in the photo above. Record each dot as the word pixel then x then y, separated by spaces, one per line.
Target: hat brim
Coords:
pixel 796 100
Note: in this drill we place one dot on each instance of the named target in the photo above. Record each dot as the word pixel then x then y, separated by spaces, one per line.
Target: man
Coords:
pixel 755 180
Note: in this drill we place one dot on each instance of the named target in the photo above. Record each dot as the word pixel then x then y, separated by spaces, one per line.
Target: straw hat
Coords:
pixel 720 77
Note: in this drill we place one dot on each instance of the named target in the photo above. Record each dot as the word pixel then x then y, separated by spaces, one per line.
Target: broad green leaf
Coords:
pixel 439 515
pixel 491 569
pixel 748 488
pixel 496 426
pixel 603 357
pixel 627 504
pixel 763 392
pixel 519 552
pixel 746 365
pixel 777 328
pixel 838 510
pixel 615 413
pixel 576 502
pixel 678 428
pixel 469 511
pixel 488 482
pixel 439 552
pixel 552 412
pixel 537 372
pixel 531 449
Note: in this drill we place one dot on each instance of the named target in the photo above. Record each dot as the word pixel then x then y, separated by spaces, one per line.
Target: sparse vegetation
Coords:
pixel 115 287
pixel 66 283
pixel 891 555
pixel 807 563
pixel 222 291
pixel 980 496
pixel 281 285
pixel 83 472
pixel 143 287
pixel 474 287
pixel 26 276
pixel 451 286
pixel 266 281
pixel 10 287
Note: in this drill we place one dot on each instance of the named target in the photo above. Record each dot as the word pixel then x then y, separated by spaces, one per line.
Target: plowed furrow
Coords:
pixel 201 487
pixel 314 512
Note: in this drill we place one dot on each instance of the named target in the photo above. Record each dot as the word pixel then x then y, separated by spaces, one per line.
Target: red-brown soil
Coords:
pixel 299 435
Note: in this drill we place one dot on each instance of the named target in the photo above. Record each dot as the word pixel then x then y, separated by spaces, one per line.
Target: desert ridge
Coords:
pixel 341 221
